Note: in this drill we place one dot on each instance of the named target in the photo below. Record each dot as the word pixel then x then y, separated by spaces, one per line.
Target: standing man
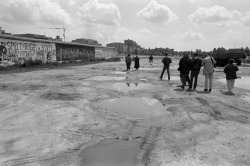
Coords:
pixel 208 70
pixel 195 70
pixel 166 61
pixel 184 68
pixel 150 59
pixel 128 61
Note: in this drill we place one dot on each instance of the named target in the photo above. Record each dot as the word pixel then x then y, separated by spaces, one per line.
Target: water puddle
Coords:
pixel 125 87
pixel 134 108
pixel 106 78
pixel 172 78
pixel 243 82
pixel 111 152
pixel 150 69
pixel 119 72
pixel 246 98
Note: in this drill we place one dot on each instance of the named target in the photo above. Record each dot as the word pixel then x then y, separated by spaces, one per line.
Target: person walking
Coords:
pixel 195 70
pixel 137 62
pixel 230 71
pixel 208 70
pixel 166 61
pixel 151 59
pixel 184 68
pixel 128 61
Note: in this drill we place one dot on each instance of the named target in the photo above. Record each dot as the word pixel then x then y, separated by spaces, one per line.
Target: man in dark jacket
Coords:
pixel 128 61
pixel 166 61
pixel 184 67
pixel 195 70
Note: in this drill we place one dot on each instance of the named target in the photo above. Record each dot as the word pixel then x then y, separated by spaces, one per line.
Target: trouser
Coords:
pixel 209 80
pixel 163 70
pixel 194 77
pixel 184 78
pixel 230 84
pixel 128 66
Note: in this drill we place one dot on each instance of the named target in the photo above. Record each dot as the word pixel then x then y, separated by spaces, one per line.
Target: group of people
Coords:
pixel 128 61
pixel 189 69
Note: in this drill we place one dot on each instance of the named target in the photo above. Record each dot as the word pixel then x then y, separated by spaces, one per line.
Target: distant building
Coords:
pixel 129 46
pixel 34 36
pixel 2 32
pixel 87 41
pixel 121 47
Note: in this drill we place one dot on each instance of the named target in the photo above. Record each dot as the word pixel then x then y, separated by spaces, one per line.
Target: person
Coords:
pixel 151 59
pixel 128 61
pixel 166 61
pixel 195 70
pixel 184 68
pixel 208 70
pixel 230 71
pixel 137 62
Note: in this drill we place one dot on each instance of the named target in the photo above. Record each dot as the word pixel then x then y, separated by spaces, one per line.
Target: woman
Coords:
pixel 208 70
pixel 137 62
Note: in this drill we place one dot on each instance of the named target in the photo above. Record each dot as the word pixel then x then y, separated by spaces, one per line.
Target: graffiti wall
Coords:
pixel 15 51
pixel 67 52
pixel 105 52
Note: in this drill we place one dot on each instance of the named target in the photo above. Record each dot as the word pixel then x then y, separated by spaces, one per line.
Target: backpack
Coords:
pixel 196 66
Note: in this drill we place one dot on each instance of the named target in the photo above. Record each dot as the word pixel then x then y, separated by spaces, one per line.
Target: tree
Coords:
pixel 247 51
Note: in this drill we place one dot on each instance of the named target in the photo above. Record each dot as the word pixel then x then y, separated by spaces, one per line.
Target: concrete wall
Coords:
pixel 105 52
pixel 14 51
pixel 67 52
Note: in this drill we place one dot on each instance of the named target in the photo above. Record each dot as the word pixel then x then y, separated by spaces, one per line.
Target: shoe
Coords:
pixel 160 78
pixel 210 90
pixel 189 89
pixel 205 90
pixel 194 89
pixel 182 87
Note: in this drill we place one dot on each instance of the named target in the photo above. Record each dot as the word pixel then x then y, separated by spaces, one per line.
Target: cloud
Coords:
pixel 156 13
pixel 95 12
pixel 190 36
pixel 30 11
pixel 246 19
pixel 214 15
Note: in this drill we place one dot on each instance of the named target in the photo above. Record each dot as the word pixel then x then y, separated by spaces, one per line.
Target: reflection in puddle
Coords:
pixel 106 78
pixel 136 108
pixel 111 152
pixel 243 82
pixel 124 87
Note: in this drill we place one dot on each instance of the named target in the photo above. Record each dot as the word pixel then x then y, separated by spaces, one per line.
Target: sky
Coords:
pixel 179 24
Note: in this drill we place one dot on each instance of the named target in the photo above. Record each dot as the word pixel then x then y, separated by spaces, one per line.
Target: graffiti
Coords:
pixel 70 52
pixel 23 50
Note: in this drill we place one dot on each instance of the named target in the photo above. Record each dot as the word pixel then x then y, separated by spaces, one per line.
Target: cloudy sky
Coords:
pixel 178 24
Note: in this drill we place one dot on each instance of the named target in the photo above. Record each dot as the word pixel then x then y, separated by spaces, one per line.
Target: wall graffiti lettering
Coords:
pixel 17 50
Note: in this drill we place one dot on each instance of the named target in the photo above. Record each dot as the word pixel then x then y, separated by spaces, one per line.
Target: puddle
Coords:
pixel 119 72
pixel 243 82
pixel 246 98
pixel 125 87
pixel 150 69
pixel 134 108
pixel 111 152
pixel 106 78
pixel 172 78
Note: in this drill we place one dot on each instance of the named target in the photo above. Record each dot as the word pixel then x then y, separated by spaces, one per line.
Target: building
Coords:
pixel 87 41
pixel 129 46
pixel 2 32
pixel 121 47
pixel 34 36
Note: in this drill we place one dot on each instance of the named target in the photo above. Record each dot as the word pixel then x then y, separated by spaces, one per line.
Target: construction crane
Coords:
pixel 63 28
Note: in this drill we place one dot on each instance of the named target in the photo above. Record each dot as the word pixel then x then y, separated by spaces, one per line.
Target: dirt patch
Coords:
pixel 61 96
